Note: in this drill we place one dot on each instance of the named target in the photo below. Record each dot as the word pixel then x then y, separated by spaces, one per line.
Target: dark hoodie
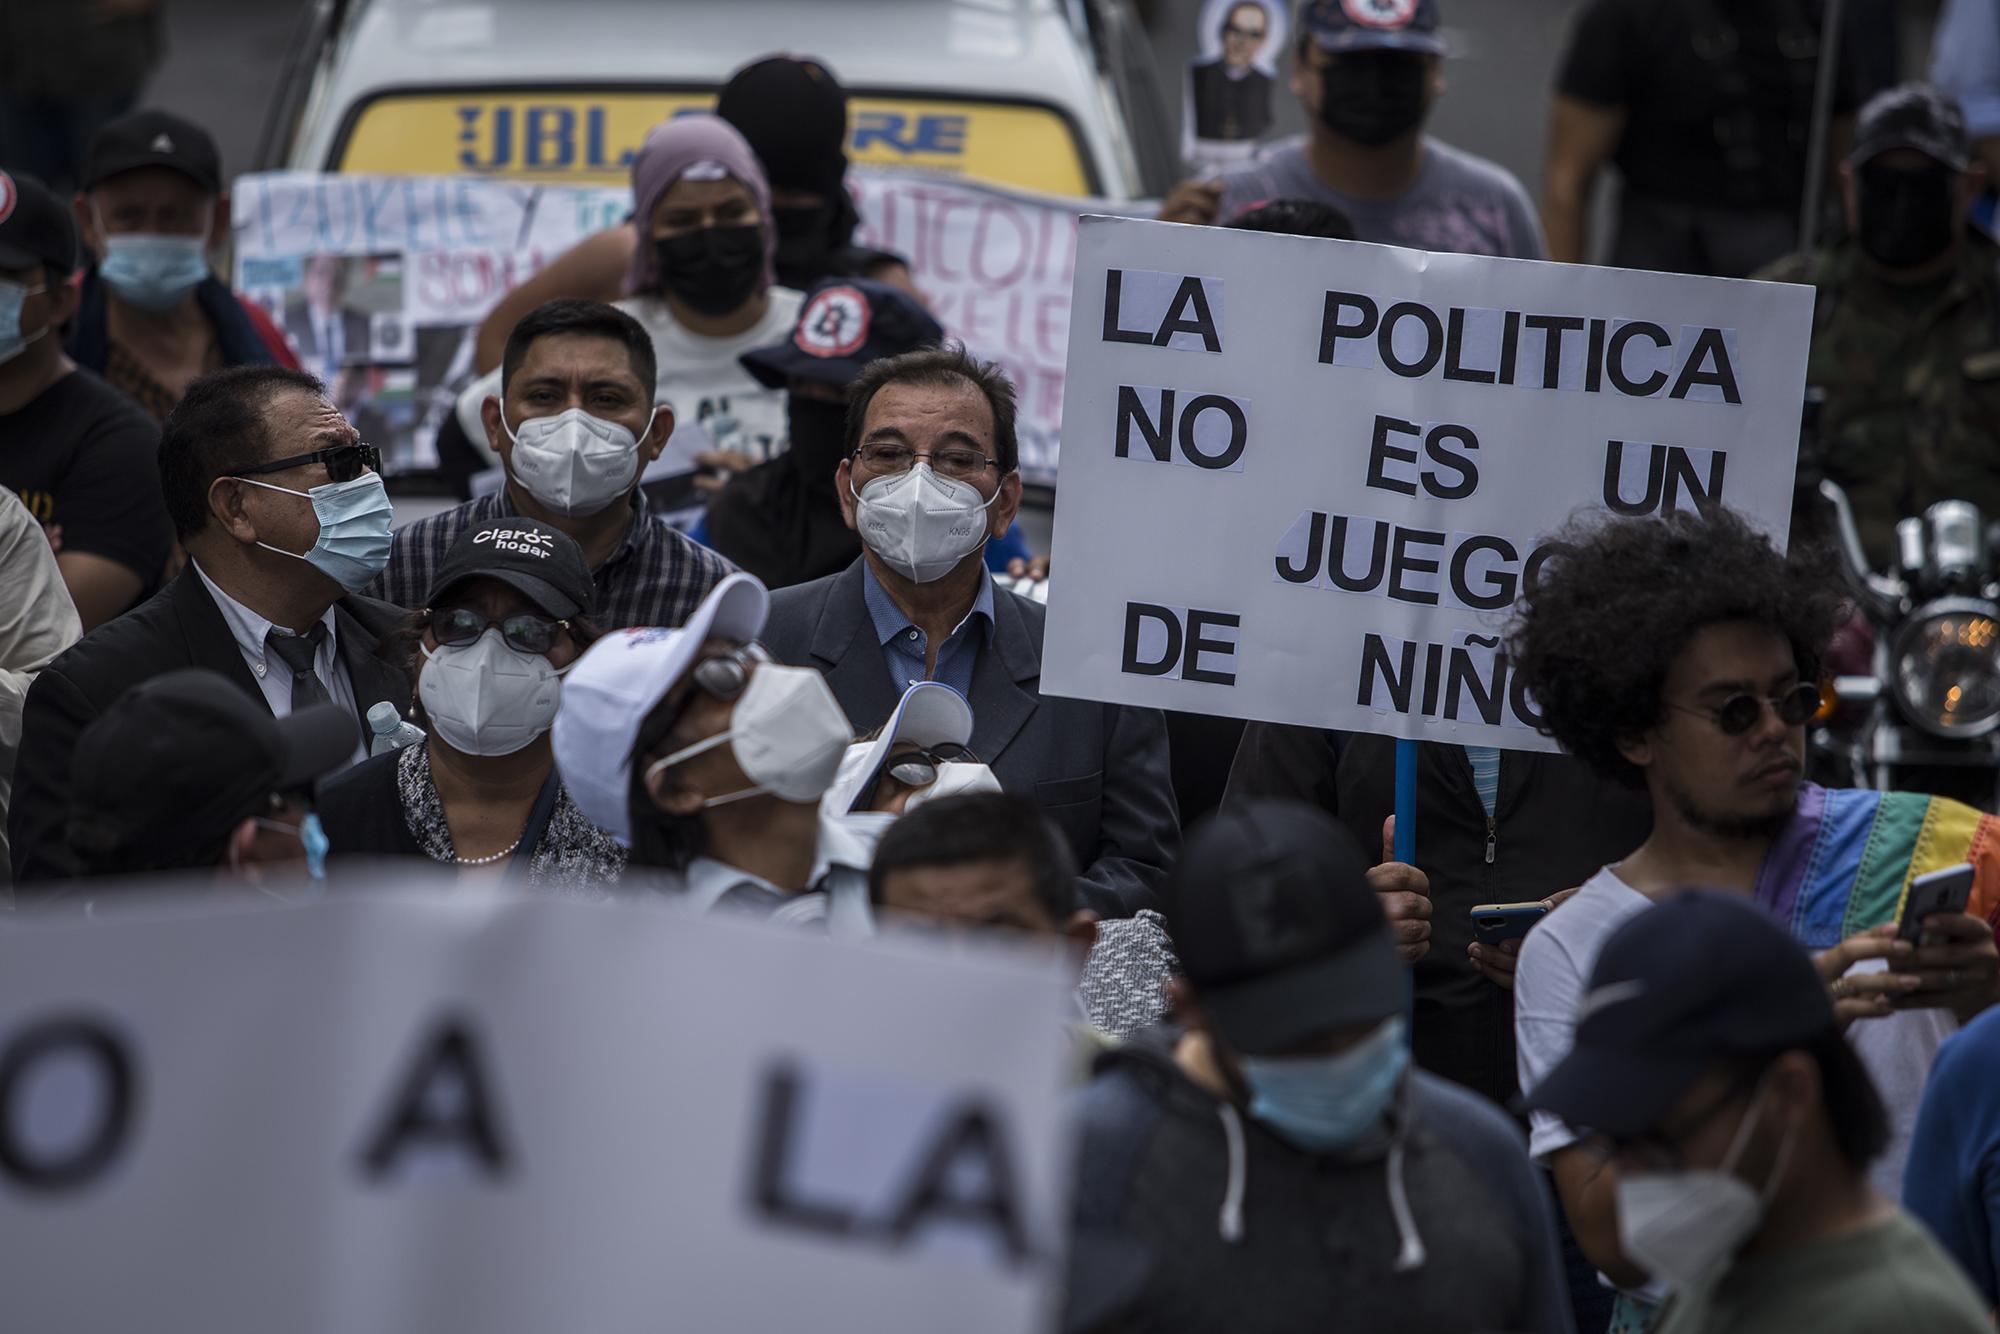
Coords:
pixel 1439 1226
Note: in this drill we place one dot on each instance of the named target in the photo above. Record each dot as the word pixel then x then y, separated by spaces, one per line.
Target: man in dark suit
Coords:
pixel 1232 97
pixel 280 510
pixel 929 479
pixel 326 334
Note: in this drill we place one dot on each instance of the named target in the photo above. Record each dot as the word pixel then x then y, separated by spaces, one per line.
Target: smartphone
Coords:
pixel 1948 890
pixel 1495 923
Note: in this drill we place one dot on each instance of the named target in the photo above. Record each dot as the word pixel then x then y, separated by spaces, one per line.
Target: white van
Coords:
pixel 1054 95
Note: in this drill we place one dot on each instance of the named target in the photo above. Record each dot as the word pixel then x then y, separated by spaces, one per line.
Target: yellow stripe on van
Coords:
pixel 588 138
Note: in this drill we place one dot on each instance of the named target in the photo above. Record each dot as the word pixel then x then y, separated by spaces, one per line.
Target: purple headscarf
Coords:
pixel 670 149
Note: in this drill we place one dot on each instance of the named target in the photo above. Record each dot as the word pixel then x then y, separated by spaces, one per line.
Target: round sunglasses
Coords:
pixel 1739 713
pixel 525 631
pixel 919 768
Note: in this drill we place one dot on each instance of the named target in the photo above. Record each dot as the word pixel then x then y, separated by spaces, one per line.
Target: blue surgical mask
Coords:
pixel 314 837
pixel 354 518
pixel 13 299
pixel 153 272
pixel 1323 1103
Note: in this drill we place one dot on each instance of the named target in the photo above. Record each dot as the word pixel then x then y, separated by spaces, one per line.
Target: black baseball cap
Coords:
pixel 153 139
pixel 179 760
pixel 844 324
pixel 1912 115
pixel 535 558
pixel 35 226
pixel 1374 25
pixel 1688 982
pixel 1278 931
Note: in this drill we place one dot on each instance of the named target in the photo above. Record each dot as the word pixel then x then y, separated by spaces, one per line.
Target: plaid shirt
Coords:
pixel 655 577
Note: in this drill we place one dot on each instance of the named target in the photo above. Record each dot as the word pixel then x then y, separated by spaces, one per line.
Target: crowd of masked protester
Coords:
pixel 1717 1085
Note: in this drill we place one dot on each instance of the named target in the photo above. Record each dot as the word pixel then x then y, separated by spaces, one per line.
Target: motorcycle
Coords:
pixel 1928 718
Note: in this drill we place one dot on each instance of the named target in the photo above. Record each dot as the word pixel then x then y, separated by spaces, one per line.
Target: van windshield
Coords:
pixel 587 136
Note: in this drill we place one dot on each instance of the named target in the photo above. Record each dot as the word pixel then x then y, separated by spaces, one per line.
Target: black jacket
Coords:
pixel 1555 825
pixel 178 627
pixel 1440 1226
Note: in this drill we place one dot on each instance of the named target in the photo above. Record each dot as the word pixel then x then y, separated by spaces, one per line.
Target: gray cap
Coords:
pixel 1912 115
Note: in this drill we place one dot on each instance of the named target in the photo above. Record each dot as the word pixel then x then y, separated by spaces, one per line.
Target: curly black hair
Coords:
pixel 1616 601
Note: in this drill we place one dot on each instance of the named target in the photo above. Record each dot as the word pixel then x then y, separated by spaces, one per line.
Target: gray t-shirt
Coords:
pixel 1460 203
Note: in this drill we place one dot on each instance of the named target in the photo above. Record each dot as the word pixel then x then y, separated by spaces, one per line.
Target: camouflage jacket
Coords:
pixel 1912 385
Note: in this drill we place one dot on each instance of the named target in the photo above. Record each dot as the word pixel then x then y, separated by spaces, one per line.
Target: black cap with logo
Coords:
pixel 153 139
pixel 178 761
pixel 35 226
pixel 1912 115
pixel 1374 25
pixel 844 324
pixel 535 558
pixel 1689 981
pixel 1278 931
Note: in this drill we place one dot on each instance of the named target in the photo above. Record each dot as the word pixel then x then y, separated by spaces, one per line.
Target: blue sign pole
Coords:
pixel 1406 801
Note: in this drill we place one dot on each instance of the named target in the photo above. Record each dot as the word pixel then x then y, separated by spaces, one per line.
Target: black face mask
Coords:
pixel 713 270
pixel 1374 97
pixel 805 244
pixel 818 439
pixel 1905 219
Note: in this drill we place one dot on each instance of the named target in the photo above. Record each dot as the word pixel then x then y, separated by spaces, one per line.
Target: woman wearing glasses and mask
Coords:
pixel 709 757
pixel 505 621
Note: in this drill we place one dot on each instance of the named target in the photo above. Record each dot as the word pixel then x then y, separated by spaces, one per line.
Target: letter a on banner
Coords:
pixel 444 1103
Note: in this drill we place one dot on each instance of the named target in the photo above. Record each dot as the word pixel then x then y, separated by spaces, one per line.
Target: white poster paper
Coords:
pixel 379 281
pixel 442 1115
pixel 1305 479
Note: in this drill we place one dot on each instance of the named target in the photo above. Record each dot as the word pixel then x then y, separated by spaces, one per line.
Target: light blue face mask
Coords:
pixel 1323 1103
pixel 314 837
pixel 13 298
pixel 153 271
pixel 354 517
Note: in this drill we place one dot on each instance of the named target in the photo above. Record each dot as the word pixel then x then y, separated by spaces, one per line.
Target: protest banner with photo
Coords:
pixel 431 1113
pixel 1305 480
pixel 428 256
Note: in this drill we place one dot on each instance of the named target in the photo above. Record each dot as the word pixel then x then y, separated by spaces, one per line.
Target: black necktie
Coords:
pixel 298 652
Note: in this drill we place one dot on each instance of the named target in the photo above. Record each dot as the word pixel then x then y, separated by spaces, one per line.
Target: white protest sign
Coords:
pixel 441 1115
pixel 1304 479
pixel 411 264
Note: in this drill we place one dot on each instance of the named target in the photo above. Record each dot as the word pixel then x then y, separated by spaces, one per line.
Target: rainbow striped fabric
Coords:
pixel 1848 857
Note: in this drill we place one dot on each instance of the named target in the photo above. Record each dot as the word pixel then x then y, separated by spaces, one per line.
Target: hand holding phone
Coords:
pixel 1946 891
pixel 1497 923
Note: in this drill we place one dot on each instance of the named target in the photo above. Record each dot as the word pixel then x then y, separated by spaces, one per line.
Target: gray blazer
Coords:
pixel 1098 770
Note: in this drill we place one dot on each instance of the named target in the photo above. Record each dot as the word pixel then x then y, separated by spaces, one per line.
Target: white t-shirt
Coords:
pixel 717 404
pixel 1554 969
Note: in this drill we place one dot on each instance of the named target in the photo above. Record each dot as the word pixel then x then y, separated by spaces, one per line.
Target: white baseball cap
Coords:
pixel 616 683
pixel 930 713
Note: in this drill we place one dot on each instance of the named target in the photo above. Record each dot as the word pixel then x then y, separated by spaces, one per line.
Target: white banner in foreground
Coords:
pixel 1303 480
pixel 439 1115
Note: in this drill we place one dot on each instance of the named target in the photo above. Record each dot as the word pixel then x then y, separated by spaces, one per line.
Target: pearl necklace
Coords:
pixel 488 861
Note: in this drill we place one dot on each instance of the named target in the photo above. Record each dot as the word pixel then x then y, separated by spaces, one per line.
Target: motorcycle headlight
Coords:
pixel 1947 668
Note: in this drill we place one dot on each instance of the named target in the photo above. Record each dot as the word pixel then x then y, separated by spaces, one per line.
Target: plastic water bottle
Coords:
pixel 391 731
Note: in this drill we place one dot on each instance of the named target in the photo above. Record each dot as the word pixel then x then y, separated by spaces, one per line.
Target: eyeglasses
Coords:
pixel 1740 713
pixel 919 768
pixel 343 463
pixel 525 631
pixel 1252 34
pixel 959 463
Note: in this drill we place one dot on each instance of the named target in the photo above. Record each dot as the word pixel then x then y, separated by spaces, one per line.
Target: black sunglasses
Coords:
pixel 526 631
pixel 343 463
pixel 919 768
pixel 1740 713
